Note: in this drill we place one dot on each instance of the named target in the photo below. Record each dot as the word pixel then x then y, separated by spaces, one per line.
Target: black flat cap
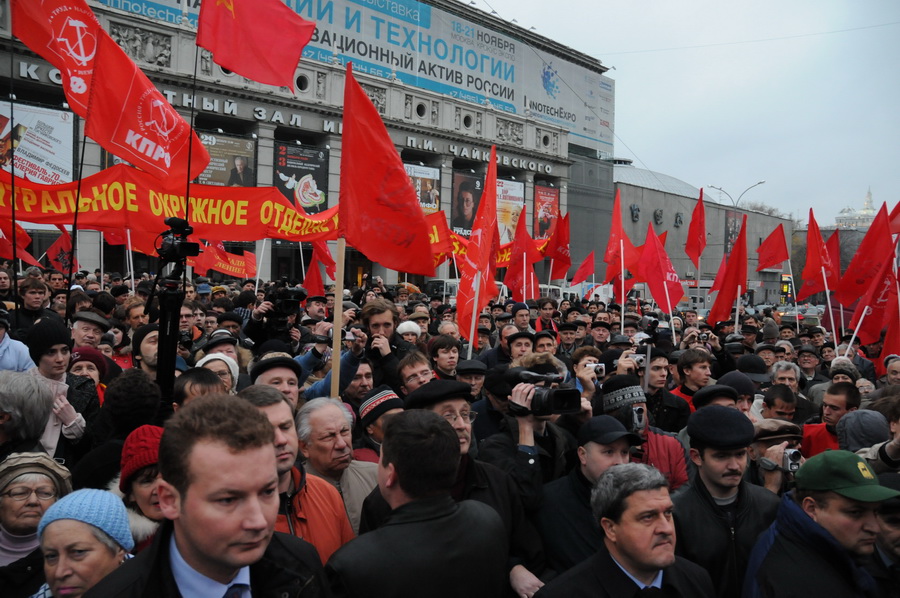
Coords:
pixel 720 427
pixel 436 392
pixel 708 394
pixel 471 366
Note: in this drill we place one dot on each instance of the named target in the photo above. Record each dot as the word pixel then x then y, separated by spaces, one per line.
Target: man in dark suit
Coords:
pixel 637 558
pixel 241 175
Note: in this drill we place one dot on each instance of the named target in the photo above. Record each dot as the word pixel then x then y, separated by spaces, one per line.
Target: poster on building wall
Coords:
pixel 232 161
pixel 546 211
pixel 429 48
pixel 732 229
pixel 510 206
pixel 467 190
pixel 43 142
pixel 301 174
pixel 427 183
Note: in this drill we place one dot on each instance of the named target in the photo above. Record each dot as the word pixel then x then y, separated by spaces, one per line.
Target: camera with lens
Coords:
pixel 791 461
pixel 599 369
pixel 546 401
pixel 286 301
pixel 185 339
pixel 174 245
pixel 703 337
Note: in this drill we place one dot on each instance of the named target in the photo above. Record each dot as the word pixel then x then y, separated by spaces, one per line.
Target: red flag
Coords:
pixel 520 277
pixel 481 254
pixel 891 345
pixel 313 281
pixel 60 253
pixel 817 259
pixel 558 249
pixel 130 118
pixel 696 237
pixel 439 233
pixel 322 255
pixel 774 250
pixel 656 269
pixel 6 251
pixel 869 259
pixel 734 276
pixel 617 235
pixel 720 274
pixel 879 303
pixel 66 34
pixel 240 35
pixel 584 270
pixel 379 208
pixel 895 219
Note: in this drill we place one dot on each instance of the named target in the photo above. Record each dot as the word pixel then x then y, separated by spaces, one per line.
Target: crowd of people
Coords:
pixel 572 448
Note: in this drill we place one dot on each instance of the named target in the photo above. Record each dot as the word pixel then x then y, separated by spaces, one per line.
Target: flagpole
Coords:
pixel 128 259
pixel 474 315
pixel 842 323
pixel 697 278
pixel 524 278
pixel 794 291
pixel 828 298
pixel 302 260
pixel 102 271
pixel 550 274
pixel 856 330
pixel 262 259
pixel 338 322
pixel 622 276
pixel 737 308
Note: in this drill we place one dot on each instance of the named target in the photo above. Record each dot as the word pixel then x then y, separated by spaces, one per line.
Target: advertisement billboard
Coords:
pixel 231 161
pixel 427 182
pixel 432 49
pixel 546 211
pixel 510 206
pixel 467 190
pixel 301 174
pixel 43 142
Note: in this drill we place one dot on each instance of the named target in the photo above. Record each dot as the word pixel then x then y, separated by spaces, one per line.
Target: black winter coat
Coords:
pixel 431 547
pixel 720 540
pixel 568 529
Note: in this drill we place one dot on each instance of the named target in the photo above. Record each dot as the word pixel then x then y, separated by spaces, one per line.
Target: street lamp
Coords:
pixel 735 203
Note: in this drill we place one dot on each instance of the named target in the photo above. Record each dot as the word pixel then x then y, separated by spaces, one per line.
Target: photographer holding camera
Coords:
pixel 529 446
pixel 276 317
pixel 385 349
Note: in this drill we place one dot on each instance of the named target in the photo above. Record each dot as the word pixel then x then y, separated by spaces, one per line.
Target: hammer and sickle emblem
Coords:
pixel 161 122
pixel 864 470
pixel 84 46
pixel 228 4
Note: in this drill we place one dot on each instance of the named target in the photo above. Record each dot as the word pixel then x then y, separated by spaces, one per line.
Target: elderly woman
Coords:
pixel 75 400
pixel 224 367
pixel 89 362
pixel 84 537
pixel 26 405
pixel 138 484
pixel 29 484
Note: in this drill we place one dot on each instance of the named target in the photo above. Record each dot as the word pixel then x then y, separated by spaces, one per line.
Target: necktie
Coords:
pixel 236 590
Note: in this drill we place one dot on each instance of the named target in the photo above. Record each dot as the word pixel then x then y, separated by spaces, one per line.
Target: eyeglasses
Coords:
pixel 469 416
pixel 425 375
pixel 24 493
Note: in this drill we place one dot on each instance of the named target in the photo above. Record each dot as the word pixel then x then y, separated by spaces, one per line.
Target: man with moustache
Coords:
pixel 719 517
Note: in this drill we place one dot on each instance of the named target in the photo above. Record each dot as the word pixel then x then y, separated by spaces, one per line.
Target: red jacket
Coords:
pixel 666 454
pixel 316 513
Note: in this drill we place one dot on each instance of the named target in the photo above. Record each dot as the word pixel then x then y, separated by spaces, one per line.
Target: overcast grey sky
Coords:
pixel 813 111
